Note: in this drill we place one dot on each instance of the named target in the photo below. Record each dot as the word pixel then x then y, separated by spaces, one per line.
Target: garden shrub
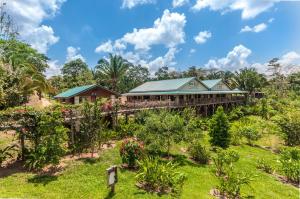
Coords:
pixel 157 176
pixel 249 128
pixel 6 153
pixel 219 129
pixel 235 132
pixel 140 117
pixel 235 113
pixel 223 160
pixel 251 134
pixel 290 164
pixel 290 126
pixel 127 129
pixel 92 128
pixel 263 165
pixel 161 130
pixel 51 144
pixel 130 152
pixel 230 180
pixel 199 153
pixel 230 184
pixel 264 108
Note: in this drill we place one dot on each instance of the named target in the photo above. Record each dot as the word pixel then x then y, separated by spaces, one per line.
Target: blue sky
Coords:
pixel 225 35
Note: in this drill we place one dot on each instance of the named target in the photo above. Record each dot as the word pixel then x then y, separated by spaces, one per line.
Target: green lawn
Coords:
pixel 86 179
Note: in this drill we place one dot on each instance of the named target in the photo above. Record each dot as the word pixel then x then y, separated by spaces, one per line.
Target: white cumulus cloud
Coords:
pixel 111 47
pixel 249 8
pixel 234 60
pixel 29 15
pixel 73 53
pixel 133 3
pixel 237 58
pixel 257 28
pixel 54 68
pixel 179 3
pixel 166 60
pixel 202 37
pixel 290 62
pixel 167 30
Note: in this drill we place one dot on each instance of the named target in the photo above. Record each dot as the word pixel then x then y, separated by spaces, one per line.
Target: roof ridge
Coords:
pixel 170 79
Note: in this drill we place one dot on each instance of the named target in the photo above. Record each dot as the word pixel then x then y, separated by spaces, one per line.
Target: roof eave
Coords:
pixel 92 87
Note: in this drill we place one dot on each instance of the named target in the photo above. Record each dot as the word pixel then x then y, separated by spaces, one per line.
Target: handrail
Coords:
pixel 168 103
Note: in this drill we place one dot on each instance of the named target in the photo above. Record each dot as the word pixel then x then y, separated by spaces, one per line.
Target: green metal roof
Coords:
pixel 162 85
pixel 173 87
pixel 182 92
pixel 211 83
pixel 74 91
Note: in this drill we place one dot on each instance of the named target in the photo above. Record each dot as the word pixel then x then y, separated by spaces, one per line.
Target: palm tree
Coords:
pixel 111 70
pixel 249 79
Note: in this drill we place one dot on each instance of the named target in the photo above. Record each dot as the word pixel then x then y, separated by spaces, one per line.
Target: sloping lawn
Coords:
pixel 87 179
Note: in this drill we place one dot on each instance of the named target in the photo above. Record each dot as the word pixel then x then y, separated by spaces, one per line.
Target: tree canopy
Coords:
pixel 111 71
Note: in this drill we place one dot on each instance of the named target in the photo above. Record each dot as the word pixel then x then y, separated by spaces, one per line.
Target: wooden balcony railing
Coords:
pixel 180 103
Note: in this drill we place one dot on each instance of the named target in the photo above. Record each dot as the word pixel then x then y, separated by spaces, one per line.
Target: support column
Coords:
pixel 177 100
pixel 205 110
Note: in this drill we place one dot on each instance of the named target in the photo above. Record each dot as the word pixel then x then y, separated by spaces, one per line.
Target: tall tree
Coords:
pixel 8 29
pixel 134 76
pixel 111 70
pixel 57 83
pixel 76 73
pixel 22 72
pixel 213 74
pixel 294 81
pixel 219 129
pixel 193 71
pixel 279 82
pixel 162 73
pixel 249 79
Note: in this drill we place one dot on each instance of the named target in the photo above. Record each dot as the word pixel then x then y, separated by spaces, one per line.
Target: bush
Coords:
pixel 265 166
pixel 236 113
pixel 251 134
pixel 157 176
pixel 51 144
pixel 199 153
pixel 219 129
pixel 6 153
pixel 290 164
pixel 235 133
pixel 290 126
pixel 224 160
pixel 161 130
pixel 249 128
pixel 127 129
pixel 231 183
pixel 130 152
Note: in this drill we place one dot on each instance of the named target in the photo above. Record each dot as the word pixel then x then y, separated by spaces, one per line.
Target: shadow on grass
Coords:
pixel 88 160
pixel 42 179
pixel 183 160
pixel 15 167
pixel 110 195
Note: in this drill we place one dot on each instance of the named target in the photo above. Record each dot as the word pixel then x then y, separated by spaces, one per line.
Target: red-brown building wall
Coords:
pixel 98 91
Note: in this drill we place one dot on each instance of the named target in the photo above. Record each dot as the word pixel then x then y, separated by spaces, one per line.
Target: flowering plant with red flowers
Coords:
pixel 131 150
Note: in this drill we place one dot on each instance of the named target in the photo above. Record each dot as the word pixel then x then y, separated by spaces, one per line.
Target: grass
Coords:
pixel 6 138
pixel 87 179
